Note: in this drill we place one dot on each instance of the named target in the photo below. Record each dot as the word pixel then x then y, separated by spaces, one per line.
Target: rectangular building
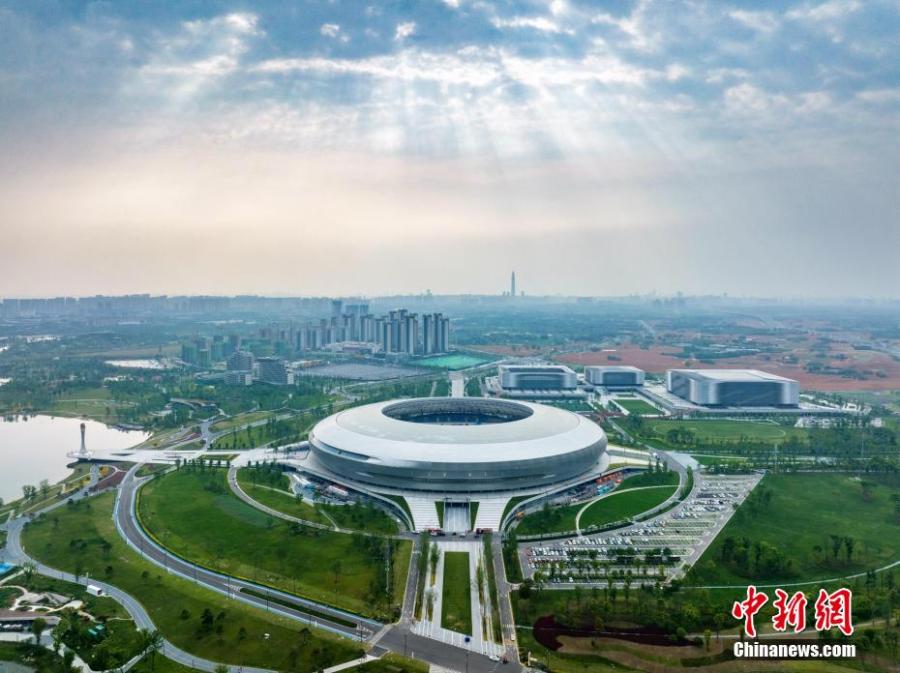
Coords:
pixel 237 378
pixel 240 361
pixel 537 377
pixel 275 371
pixel 733 388
pixel 618 376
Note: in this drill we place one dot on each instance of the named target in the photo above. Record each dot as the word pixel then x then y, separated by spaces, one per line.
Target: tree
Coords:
pixel 28 570
pixel 37 629
pixel 433 558
pixel 151 642
pixel 220 668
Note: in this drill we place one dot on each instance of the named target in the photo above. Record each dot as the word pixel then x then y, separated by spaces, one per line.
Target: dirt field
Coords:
pixel 880 372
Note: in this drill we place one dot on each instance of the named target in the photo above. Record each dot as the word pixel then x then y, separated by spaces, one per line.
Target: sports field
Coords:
pixel 634 405
pixel 453 361
pixel 730 431
pixel 800 531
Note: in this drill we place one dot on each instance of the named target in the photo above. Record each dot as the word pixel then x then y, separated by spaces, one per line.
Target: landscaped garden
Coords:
pixel 82 539
pixel 193 512
pixel 456 599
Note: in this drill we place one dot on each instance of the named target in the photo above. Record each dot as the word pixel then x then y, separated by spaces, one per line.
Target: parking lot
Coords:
pixel 656 550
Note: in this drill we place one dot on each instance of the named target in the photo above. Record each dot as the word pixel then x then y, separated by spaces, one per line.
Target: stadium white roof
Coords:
pixel 545 431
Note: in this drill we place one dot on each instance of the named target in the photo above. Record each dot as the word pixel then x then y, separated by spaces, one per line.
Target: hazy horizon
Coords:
pixel 320 150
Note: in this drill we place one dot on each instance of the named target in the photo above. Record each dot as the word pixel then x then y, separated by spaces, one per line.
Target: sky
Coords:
pixel 344 148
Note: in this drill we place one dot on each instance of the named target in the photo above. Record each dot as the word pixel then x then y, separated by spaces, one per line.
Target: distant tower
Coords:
pixel 512 285
pixel 83 445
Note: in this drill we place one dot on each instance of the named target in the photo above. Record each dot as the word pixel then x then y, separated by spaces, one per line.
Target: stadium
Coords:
pixel 458 445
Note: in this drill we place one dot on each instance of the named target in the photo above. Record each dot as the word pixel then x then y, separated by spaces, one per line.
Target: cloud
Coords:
pixel 539 23
pixel 824 11
pixel 763 22
pixel 404 30
pixel 330 29
pixel 202 50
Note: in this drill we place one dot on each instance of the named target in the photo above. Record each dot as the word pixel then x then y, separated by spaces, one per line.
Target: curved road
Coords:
pixel 310 612
pixel 394 638
pixel 142 620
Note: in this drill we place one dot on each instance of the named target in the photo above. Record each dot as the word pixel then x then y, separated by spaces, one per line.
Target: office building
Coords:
pixel 275 371
pixel 238 378
pixel 240 361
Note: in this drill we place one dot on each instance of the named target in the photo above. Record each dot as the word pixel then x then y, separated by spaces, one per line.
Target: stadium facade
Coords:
pixel 733 388
pixel 537 377
pixel 458 445
pixel 618 376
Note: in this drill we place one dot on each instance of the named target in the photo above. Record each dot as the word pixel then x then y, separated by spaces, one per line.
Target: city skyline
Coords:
pixel 318 150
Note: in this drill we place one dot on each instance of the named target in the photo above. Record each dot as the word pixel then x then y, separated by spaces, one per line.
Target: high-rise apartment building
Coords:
pixel 275 371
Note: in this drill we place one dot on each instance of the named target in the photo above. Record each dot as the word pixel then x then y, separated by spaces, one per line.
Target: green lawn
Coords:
pixel 728 430
pixel 260 485
pixel 240 420
pixel 634 405
pixel 793 518
pixel 83 539
pixel 270 489
pixel 40 660
pixel 614 507
pixel 393 663
pixel 366 518
pixel 456 598
pixel 194 513
pixel 622 505
pixel 160 664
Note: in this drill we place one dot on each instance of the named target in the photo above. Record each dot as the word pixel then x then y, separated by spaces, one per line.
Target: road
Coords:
pixel 134 535
pixel 507 620
pixel 394 638
pixel 16 554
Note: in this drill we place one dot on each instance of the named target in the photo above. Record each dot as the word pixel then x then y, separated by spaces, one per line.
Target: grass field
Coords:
pixel 456 599
pixel 393 663
pixel 619 505
pixel 804 511
pixel 366 518
pixel 453 361
pixel 240 420
pixel 194 513
pixel 625 504
pixel 255 483
pixel 730 431
pixel 83 539
pixel 634 405
pixel 272 492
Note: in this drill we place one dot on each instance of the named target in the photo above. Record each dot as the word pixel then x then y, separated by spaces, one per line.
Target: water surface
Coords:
pixel 35 447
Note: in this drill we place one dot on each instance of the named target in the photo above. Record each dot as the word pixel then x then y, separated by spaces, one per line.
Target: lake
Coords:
pixel 35 448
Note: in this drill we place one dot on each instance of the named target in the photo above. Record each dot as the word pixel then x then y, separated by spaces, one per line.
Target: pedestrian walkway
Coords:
pixel 432 628
pixel 424 513
pixel 350 664
pixel 490 512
